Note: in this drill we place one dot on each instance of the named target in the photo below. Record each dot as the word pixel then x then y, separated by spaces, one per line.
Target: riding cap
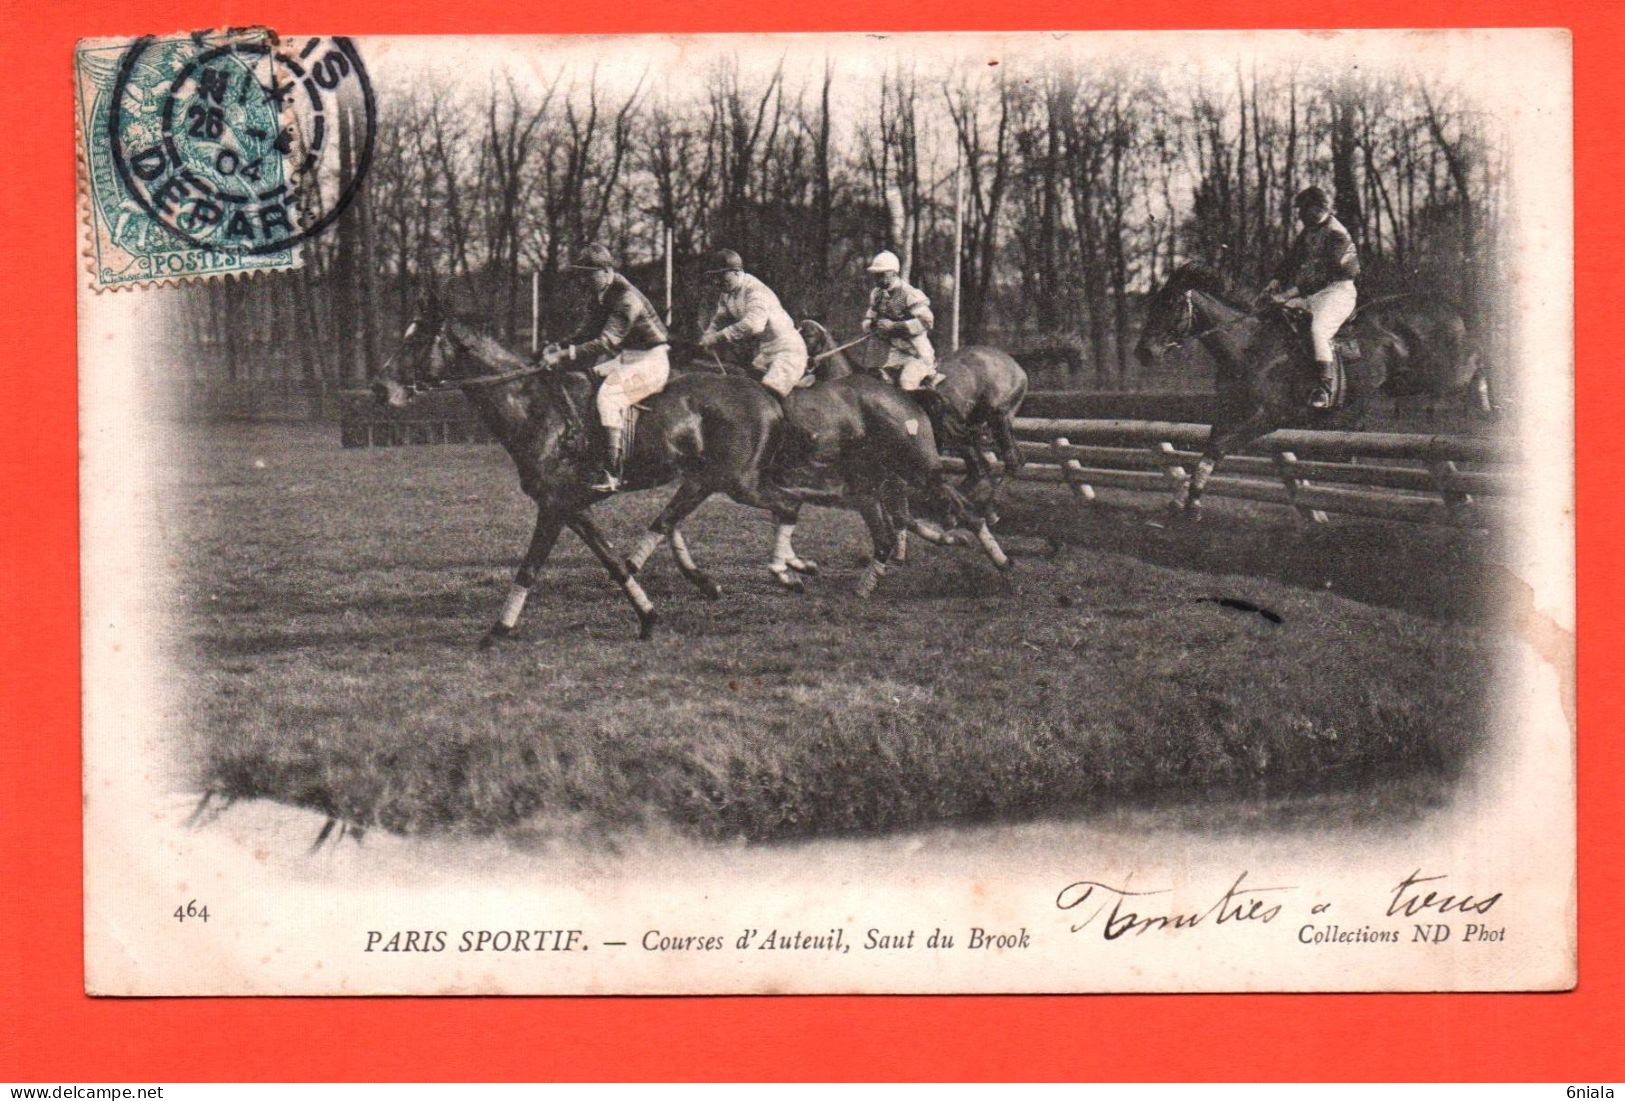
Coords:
pixel 885 260
pixel 595 256
pixel 724 260
pixel 1311 196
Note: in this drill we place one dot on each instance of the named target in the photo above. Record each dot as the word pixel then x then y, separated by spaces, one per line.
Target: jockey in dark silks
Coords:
pixel 1318 275
pixel 624 343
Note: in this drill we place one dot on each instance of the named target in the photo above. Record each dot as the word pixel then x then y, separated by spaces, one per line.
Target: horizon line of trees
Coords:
pixel 1079 190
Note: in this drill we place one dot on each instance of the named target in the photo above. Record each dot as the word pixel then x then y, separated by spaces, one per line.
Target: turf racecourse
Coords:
pixel 328 603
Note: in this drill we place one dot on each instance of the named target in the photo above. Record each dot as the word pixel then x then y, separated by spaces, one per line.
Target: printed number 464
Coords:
pixel 192 910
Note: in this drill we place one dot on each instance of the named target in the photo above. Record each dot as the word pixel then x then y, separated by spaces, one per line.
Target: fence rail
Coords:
pixel 1456 480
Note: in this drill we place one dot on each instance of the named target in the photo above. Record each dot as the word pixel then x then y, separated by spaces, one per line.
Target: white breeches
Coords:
pixel 633 376
pixel 781 370
pixel 911 370
pixel 1329 307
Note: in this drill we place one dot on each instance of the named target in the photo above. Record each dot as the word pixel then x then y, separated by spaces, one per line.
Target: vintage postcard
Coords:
pixel 1061 512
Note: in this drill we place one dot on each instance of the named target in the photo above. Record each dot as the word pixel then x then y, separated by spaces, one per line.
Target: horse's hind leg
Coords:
pixel 1004 430
pixel 964 514
pixel 884 537
pixel 541 545
pixel 583 526
pixel 689 496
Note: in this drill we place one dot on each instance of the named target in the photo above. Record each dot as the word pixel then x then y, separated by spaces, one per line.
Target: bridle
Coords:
pixel 442 346
pixel 1187 325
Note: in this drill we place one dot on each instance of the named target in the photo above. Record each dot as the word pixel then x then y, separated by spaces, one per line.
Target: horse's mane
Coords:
pixel 1195 275
pixel 494 355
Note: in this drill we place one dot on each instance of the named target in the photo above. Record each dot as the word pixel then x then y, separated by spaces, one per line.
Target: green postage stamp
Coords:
pixel 215 153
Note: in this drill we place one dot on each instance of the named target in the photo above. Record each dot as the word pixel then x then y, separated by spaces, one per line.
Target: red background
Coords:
pixel 51 1032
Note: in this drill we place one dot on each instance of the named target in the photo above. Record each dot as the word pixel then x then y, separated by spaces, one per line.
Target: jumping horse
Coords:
pixel 1264 378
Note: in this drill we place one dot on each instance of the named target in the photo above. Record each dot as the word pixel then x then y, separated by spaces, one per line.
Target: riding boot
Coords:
pixel 611 481
pixel 1323 395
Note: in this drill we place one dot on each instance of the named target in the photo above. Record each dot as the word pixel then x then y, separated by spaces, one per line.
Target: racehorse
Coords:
pixel 1264 377
pixel 850 439
pixel 717 434
pixel 1440 358
pixel 973 409
pixel 983 389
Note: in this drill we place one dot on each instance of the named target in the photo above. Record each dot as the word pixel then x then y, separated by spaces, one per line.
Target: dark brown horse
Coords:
pixel 1440 357
pixel 716 434
pixel 1264 373
pixel 851 440
pixel 972 411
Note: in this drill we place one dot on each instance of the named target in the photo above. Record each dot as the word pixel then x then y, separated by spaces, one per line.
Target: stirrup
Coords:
pixel 1321 398
pixel 609 483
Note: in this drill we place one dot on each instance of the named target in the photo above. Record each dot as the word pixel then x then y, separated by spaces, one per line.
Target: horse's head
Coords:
pixel 1170 319
pixel 421 360
pixel 817 337
pixel 821 343
pixel 1195 298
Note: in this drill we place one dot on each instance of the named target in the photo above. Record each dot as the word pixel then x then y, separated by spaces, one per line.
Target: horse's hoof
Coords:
pixel 804 565
pixel 787 580
pixel 497 633
pixel 646 625
pixel 710 589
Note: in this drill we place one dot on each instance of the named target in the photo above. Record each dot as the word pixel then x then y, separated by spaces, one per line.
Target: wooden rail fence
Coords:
pixel 1457 480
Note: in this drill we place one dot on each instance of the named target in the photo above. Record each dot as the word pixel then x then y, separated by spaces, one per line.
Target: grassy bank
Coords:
pixel 330 601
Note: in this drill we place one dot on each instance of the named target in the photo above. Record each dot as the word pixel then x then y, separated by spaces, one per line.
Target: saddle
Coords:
pixel 577 417
pixel 1345 348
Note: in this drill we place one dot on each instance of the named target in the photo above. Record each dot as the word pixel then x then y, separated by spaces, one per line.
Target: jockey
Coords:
pixel 1319 273
pixel 901 315
pixel 624 343
pixel 749 317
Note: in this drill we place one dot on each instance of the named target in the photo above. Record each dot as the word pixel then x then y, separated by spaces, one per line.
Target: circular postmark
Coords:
pixel 242 142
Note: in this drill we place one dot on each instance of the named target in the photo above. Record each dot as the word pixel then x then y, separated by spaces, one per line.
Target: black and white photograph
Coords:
pixel 827 513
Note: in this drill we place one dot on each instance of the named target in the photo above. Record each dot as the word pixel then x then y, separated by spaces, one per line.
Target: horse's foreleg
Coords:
pixel 904 521
pixel 691 569
pixel 688 497
pixel 884 537
pixel 786 566
pixel 541 545
pixel 583 525
pixel 1219 444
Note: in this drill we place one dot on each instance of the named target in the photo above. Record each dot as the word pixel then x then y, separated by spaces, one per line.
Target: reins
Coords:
pixel 541 369
pixel 839 348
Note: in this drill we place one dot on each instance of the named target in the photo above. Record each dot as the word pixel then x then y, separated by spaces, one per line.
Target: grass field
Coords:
pixel 330 601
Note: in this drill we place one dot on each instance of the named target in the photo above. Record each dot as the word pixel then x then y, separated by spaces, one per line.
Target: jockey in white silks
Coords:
pixel 624 343
pixel 1319 274
pixel 901 316
pixel 750 318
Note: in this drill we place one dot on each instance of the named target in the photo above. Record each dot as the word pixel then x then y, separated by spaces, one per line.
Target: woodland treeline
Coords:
pixel 1081 188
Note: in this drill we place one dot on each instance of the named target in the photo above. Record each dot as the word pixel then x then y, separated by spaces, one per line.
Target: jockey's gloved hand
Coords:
pixel 708 339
